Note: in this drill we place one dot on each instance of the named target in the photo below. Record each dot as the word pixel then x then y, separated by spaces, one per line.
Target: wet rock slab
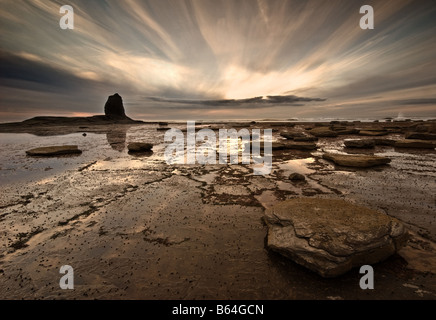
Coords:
pixel 323 132
pixel 420 136
pixel 384 142
pixel 139 147
pixel 411 143
pixel 357 143
pixel 293 145
pixel 54 151
pixel 356 160
pixel 306 139
pixel 330 237
pixel 297 177
pixel 342 131
pixel 373 133
pixel 298 136
pixel 292 134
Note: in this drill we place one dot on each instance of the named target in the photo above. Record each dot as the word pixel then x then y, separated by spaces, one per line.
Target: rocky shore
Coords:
pixel 135 227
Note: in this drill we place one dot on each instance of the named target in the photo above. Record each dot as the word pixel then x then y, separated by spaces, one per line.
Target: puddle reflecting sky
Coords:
pixel 16 166
pixel 107 148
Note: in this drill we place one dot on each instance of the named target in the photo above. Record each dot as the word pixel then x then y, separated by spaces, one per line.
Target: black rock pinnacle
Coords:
pixel 114 106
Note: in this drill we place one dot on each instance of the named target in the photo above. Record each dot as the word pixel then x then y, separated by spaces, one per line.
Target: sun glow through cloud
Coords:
pixel 212 50
pixel 239 83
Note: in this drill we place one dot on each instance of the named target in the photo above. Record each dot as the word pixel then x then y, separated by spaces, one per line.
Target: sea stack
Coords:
pixel 114 107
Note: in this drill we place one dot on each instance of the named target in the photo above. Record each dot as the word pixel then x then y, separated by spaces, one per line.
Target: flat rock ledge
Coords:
pixel 54 151
pixel 420 136
pixel 330 237
pixel 323 132
pixel 411 143
pixel 356 160
pixel 293 145
pixel 373 133
pixel 358 143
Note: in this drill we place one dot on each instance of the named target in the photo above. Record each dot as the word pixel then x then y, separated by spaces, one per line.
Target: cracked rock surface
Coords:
pixel 332 236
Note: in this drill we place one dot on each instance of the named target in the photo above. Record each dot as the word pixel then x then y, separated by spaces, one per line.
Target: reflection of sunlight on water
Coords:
pixel 16 166
pixel 286 186
pixel 298 165
pixel 120 164
pixel 46 180
pixel 232 144
pixel 204 148
pixel 14 138
pixel 108 143
pixel 267 199
pixel 261 169
pixel 209 178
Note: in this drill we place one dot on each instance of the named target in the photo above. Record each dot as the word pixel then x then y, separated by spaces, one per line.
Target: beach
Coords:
pixel 134 227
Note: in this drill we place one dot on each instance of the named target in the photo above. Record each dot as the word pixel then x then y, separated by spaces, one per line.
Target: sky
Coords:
pixel 218 59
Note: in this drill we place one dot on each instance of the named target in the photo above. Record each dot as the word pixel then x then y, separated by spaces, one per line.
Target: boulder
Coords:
pixel 139 147
pixel 114 107
pixel 359 143
pixel 293 145
pixel 297 177
pixel 409 143
pixel 356 160
pixel 329 236
pixel 420 136
pixel 54 151
pixel 323 132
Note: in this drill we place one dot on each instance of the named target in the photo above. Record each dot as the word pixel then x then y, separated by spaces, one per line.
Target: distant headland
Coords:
pixel 114 113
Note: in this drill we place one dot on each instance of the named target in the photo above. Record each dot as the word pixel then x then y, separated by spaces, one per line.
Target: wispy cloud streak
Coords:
pixel 204 51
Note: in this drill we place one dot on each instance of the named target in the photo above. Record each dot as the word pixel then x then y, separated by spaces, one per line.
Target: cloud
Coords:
pixel 255 102
pixel 27 72
pixel 31 87
pixel 430 101
pixel 214 54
